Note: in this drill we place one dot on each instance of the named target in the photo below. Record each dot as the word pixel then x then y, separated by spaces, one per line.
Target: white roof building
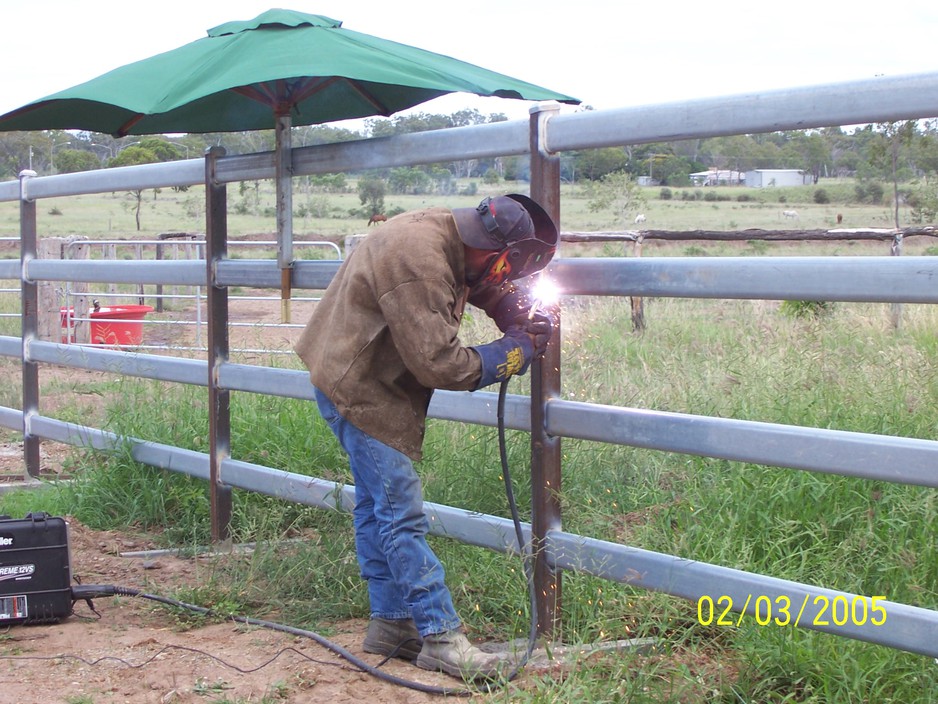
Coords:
pixel 718 177
pixel 768 178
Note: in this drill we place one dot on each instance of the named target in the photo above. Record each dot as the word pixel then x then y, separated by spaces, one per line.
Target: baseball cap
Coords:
pixel 514 226
pixel 499 221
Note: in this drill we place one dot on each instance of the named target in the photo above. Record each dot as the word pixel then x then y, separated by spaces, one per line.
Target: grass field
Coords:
pixel 848 369
pixel 111 215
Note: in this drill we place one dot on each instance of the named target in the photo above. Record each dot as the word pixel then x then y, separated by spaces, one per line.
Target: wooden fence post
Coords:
pixel 638 303
pixel 895 309
pixel 50 317
pixel 52 297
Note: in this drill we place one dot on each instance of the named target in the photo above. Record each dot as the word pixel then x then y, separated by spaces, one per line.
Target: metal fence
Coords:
pixel 68 307
pixel 544 414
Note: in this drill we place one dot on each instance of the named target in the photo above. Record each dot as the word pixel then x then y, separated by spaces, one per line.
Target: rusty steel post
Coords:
pixel 29 302
pixel 545 384
pixel 219 424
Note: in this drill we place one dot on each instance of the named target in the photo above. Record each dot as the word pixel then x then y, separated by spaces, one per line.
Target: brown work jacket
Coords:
pixel 385 333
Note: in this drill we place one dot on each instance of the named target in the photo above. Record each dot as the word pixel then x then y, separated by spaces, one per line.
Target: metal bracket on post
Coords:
pixel 284 179
pixel 29 300
pixel 543 112
pixel 219 422
pixel 545 384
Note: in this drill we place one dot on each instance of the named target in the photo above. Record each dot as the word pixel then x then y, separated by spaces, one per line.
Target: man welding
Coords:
pixel 383 337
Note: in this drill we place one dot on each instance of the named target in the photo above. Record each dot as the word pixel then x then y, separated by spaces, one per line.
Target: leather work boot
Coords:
pixel 452 653
pixel 399 637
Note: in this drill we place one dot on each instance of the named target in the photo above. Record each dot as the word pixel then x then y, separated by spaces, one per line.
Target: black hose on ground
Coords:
pixel 87 592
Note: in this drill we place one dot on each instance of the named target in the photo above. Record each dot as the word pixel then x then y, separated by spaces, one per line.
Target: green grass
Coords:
pixel 848 369
pixel 111 215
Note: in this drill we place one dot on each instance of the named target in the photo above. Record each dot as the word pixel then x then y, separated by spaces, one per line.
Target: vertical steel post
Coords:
pixel 545 384
pixel 284 179
pixel 159 287
pixel 219 424
pixel 29 302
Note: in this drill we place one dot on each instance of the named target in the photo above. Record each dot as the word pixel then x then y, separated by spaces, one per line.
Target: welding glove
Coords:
pixel 508 304
pixel 501 359
pixel 540 327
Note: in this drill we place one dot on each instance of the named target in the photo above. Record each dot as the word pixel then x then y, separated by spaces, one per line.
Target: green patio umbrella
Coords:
pixel 245 74
pixel 280 69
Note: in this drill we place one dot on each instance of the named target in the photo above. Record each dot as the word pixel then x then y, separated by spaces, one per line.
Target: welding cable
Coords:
pixel 523 549
pixel 87 592
pixel 94 591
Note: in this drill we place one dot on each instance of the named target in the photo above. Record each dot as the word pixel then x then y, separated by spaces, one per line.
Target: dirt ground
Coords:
pixel 136 651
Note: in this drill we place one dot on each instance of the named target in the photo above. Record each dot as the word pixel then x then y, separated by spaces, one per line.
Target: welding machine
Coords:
pixel 35 569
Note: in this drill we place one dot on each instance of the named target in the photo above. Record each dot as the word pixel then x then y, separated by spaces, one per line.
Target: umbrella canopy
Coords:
pixel 243 75
pixel 282 68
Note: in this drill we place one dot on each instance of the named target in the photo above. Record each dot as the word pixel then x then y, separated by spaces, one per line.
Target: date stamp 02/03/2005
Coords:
pixel 828 611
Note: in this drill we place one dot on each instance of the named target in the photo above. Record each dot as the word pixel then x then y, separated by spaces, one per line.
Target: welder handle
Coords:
pixel 540 327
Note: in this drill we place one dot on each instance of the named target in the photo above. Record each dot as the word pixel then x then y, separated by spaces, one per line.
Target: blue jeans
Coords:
pixel 405 578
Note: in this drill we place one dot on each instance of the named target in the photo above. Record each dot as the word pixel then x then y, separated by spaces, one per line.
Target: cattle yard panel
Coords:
pixel 544 414
pixel 67 312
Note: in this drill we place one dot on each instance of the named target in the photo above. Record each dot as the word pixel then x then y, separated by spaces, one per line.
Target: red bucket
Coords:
pixel 113 325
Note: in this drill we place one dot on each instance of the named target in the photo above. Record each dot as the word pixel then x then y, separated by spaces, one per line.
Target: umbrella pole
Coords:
pixel 284 178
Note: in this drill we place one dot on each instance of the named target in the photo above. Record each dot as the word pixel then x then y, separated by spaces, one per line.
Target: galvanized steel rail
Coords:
pixel 545 414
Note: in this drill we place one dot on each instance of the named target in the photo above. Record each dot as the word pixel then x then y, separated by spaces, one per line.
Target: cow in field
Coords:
pixel 376 218
pixel 790 214
pixel 640 218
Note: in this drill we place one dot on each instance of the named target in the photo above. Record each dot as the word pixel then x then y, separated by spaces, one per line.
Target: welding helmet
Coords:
pixel 514 226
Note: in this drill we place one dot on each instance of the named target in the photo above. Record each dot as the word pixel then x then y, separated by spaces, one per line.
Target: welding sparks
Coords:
pixel 546 294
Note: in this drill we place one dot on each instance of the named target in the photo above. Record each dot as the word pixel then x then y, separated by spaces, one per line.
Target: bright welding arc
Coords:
pixel 546 294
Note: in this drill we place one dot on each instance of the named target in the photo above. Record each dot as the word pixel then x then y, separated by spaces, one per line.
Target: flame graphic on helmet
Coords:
pixel 499 270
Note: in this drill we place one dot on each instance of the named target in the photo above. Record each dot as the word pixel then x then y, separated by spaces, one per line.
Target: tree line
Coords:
pixel 888 153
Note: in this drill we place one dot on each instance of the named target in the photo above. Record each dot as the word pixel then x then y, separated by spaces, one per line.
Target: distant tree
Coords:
pixel 673 170
pixel 516 168
pixel 409 180
pixel 816 153
pixel 407 124
pixel 886 152
pixel 14 152
pixel 311 135
pixel 923 200
pixel 616 192
pixel 69 161
pixel 329 183
pixel 869 191
pixel 149 150
pixel 594 164
pixel 465 118
pixel 491 177
pixel 443 179
pixel 371 192
pixel 733 152
pixel 925 149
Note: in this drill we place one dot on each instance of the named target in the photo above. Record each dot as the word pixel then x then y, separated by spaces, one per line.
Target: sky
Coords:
pixel 607 53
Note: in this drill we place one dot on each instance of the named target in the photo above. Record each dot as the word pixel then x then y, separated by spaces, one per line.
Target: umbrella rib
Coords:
pixel 279 95
pixel 378 105
pixel 311 86
pixel 253 93
pixel 124 129
pixel 262 93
